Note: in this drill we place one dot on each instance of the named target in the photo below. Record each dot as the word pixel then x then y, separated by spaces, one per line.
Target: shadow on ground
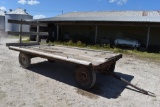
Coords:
pixel 106 86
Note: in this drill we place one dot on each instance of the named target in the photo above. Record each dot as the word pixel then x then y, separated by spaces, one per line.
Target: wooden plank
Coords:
pixel 27 33
pixel 27 22
pixel 48 56
pixel 22 44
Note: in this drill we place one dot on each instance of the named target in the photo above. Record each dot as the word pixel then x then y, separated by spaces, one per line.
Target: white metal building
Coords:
pixel 17 14
pixel 2 20
pixel 143 26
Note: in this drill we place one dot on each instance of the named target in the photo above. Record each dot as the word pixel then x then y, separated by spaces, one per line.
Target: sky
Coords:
pixel 51 8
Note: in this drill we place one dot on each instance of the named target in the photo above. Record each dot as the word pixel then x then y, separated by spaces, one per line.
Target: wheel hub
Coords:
pixel 84 76
pixel 23 60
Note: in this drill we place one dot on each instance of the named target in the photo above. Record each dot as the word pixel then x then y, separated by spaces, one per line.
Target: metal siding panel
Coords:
pixel 15 27
pixel 122 16
pixel 2 22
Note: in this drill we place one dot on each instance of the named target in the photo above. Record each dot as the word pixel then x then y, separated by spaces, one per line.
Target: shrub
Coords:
pixel 80 44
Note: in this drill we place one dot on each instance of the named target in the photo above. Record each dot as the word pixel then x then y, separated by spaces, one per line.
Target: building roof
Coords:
pixel 2 13
pixel 112 13
pixel 121 16
pixel 18 11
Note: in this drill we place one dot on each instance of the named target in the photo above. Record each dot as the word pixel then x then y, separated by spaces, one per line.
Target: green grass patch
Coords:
pixel 12 36
pixel 146 55
pixel 26 40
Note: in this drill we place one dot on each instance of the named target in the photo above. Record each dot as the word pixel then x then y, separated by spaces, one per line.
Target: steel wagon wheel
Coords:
pixel 85 77
pixel 24 60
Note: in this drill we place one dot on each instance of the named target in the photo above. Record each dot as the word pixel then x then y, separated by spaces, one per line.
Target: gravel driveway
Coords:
pixel 47 84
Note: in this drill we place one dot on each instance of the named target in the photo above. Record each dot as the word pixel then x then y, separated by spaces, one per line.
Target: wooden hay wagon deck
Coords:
pixel 88 62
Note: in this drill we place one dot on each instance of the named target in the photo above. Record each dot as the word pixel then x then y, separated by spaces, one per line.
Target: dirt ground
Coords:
pixel 47 84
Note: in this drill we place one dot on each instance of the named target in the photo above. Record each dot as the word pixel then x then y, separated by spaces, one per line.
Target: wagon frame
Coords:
pixel 86 64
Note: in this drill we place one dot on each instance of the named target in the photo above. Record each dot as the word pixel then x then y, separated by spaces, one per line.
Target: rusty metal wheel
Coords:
pixel 85 77
pixel 24 60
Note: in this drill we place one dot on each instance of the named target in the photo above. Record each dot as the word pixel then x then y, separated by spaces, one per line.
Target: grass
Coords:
pixel 24 38
pixel 146 55
pixel 139 54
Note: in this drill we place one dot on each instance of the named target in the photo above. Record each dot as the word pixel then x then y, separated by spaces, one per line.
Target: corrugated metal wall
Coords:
pixel 2 23
pixel 15 27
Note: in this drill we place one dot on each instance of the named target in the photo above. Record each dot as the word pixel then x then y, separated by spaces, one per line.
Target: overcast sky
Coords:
pixel 51 8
